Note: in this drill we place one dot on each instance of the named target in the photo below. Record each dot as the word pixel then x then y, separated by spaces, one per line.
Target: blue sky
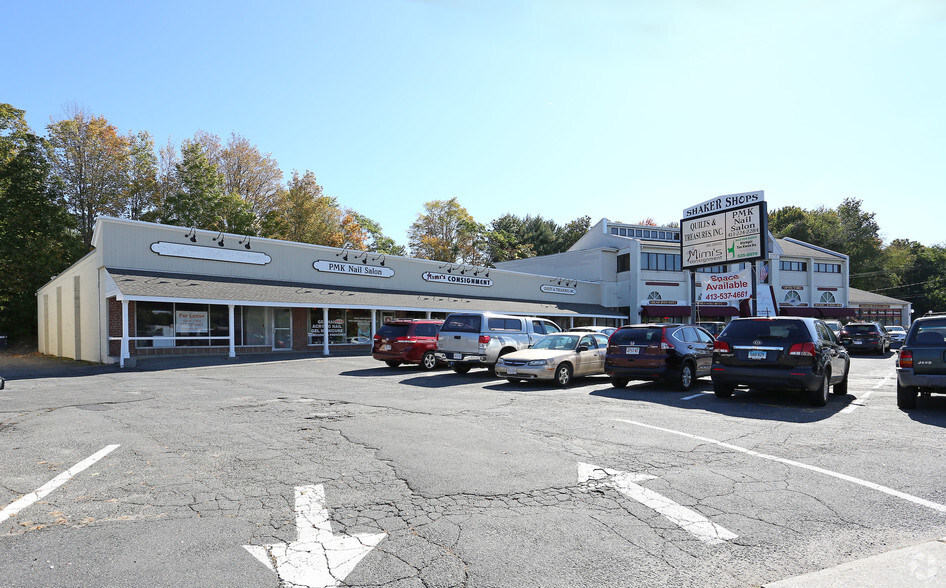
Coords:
pixel 607 108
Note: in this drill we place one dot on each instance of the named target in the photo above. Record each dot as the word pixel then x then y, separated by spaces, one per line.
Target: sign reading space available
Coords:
pixel 723 230
pixel 727 287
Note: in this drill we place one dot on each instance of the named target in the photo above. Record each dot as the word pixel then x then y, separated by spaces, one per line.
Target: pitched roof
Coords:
pixel 143 285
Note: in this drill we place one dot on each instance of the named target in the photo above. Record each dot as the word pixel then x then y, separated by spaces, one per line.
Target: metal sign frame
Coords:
pixel 715 238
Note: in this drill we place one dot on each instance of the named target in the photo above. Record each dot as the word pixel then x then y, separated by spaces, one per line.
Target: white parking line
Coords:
pixel 859 401
pixel 908 497
pixel 18 505
pixel 697 395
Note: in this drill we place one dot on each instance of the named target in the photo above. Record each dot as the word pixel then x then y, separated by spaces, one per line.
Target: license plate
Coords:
pixel 511 371
pixel 386 347
pixel 858 341
pixel 633 350
pixel 755 354
pixel 457 356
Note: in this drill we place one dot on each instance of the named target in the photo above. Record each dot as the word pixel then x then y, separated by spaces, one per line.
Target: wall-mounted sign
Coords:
pixel 793 287
pixel 725 229
pixel 550 289
pixel 353 269
pixel 460 280
pixel 661 302
pixel 210 253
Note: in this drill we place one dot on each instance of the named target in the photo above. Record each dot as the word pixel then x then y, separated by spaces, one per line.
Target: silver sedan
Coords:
pixel 559 357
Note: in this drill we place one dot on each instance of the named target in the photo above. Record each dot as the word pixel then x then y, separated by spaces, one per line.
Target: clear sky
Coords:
pixel 624 109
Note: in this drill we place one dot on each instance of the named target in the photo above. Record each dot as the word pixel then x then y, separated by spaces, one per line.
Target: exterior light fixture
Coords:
pixel 219 238
pixel 245 240
pixel 192 235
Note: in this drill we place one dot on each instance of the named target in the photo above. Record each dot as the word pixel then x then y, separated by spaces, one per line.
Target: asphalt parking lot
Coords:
pixel 311 471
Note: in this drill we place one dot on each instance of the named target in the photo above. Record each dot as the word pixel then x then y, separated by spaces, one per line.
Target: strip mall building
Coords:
pixel 150 290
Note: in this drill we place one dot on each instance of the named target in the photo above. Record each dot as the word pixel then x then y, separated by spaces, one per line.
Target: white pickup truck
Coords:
pixel 478 339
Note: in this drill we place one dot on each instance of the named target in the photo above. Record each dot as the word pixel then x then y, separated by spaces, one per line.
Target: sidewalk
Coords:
pixel 911 567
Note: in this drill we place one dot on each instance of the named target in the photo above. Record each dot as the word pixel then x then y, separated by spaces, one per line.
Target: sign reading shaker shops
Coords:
pixel 725 229
pixel 460 280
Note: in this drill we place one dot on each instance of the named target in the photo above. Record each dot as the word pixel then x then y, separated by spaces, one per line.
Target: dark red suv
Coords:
pixel 407 341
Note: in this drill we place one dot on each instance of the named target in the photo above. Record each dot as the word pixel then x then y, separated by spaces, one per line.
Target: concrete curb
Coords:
pixel 917 566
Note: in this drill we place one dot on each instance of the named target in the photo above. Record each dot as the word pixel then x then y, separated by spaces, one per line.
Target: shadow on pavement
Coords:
pixel 758 404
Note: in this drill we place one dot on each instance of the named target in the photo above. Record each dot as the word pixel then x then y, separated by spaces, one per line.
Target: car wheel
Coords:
pixel 428 361
pixel 906 397
pixel 461 368
pixel 723 390
pixel 840 389
pixel 619 382
pixel 563 375
pixel 392 362
pixel 819 396
pixel 686 377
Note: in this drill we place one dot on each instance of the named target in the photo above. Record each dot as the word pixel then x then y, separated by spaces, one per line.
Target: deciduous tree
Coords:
pixel 446 232
pixel 91 159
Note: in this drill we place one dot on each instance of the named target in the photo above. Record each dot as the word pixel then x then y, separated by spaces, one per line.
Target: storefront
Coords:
pixel 149 290
pixel 871 307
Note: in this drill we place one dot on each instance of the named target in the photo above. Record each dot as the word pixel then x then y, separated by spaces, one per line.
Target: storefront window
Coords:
pixel 255 326
pixel 154 319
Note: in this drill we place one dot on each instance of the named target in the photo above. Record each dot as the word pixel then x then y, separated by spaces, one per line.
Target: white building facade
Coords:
pixel 150 290
pixel 640 270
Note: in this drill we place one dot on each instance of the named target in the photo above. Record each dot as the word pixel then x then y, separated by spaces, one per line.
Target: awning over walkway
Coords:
pixel 138 285
pixel 668 310
pixel 816 312
pixel 716 311
pixel 837 312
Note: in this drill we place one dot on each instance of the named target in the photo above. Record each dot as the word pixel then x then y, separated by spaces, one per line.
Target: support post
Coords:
pixel 123 354
pixel 232 336
pixel 325 331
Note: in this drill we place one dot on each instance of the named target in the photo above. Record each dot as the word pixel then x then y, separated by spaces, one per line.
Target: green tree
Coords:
pixel 446 232
pixel 37 239
pixel 253 176
pixel 142 188
pixel 379 242
pixel 199 200
pixel 303 213
pixel 91 160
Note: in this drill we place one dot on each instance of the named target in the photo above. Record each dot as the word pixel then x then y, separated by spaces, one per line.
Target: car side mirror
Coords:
pixel 582 348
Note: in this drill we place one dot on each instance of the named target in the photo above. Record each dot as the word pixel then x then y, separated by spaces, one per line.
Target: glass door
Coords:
pixel 282 328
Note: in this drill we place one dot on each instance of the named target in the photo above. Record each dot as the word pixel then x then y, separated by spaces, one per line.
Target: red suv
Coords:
pixel 407 341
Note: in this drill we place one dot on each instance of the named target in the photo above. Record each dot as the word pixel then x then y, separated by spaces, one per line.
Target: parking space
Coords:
pixel 441 478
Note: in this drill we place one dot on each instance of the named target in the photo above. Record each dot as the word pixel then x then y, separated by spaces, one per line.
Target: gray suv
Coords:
pixel 478 339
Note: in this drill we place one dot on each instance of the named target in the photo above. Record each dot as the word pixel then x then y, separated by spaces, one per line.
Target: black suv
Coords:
pixel 921 361
pixel 782 353
pixel 671 353
pixel 868 336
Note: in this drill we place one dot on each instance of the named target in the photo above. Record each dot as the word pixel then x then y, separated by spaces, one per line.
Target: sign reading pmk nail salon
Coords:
pixel 460 280
pixel 353 269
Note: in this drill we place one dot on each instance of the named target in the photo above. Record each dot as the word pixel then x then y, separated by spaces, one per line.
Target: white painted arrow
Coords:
pixel 318 558
pixel 625 483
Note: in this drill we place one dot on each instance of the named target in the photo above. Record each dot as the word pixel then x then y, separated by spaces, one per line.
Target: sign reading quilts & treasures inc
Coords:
pixel 725 229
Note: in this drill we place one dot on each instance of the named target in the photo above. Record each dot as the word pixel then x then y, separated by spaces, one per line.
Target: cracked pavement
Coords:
pixel 473 481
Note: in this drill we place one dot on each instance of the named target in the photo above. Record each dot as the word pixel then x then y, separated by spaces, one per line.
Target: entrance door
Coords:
pixel 282 328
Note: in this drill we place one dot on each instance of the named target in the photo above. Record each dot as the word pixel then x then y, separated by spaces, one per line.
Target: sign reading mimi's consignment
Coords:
pixel 459 280
pixel 725 229
pixel 353 269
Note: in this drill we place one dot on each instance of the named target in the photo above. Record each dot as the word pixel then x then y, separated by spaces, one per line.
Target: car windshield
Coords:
pixel 557 342
pixel 860 329
pixel 392 331
pixel 766 329
pixel 637 336
pixel 895 328
pixel 929 333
